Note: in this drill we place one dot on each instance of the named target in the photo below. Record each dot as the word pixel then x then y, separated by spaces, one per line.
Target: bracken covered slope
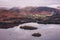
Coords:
pixel 29 14
pixel 45 15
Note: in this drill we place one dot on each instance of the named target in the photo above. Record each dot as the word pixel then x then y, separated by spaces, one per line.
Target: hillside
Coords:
pixel 45 15
pixel 33 13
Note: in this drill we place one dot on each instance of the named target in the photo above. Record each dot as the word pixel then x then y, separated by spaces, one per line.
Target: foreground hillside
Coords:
pixel 45 15
pixel 29 14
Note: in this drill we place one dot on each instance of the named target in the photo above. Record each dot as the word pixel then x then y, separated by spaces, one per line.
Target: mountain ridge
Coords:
pixel 28 12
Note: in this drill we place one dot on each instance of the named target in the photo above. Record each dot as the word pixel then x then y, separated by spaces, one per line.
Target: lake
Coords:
pixel 47 31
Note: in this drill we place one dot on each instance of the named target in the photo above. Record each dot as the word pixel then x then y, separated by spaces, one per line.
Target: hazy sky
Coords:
pixel 23 3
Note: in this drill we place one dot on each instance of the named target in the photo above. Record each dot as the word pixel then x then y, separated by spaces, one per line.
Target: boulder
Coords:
pixel 36 34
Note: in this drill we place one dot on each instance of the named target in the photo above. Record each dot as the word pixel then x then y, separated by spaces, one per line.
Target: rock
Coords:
pixel 28 27
pixel 36 34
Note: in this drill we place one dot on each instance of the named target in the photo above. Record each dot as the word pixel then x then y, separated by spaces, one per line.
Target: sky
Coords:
pixel 24 3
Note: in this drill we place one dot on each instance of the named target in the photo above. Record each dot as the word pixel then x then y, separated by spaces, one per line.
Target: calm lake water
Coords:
pixel 48 32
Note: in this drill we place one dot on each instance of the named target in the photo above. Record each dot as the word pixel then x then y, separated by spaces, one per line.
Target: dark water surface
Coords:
pixel 47 31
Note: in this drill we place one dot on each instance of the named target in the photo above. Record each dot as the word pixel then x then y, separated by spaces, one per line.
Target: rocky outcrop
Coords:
pixel 28 28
